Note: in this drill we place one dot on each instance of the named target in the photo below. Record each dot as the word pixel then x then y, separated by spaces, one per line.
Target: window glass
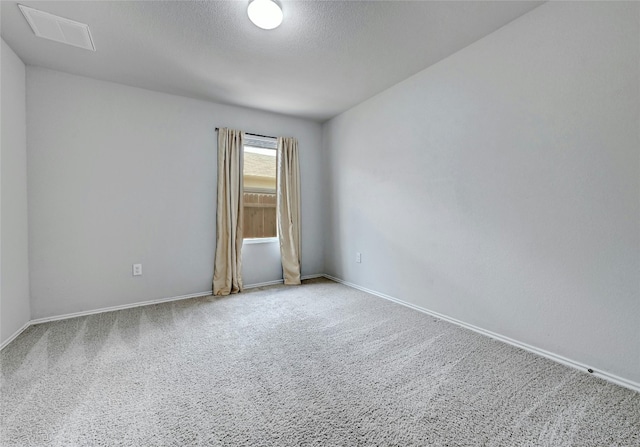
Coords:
pixel 259 192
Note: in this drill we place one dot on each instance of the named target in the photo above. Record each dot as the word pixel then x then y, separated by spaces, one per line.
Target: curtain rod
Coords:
pixel 254 134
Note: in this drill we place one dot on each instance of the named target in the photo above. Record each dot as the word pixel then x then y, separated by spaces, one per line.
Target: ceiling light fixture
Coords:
pixel 265 14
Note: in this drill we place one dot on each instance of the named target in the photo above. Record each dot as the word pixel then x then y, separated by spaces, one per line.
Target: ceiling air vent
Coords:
pixel 59 29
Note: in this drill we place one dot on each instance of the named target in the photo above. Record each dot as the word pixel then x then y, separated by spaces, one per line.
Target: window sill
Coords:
pixel 260 240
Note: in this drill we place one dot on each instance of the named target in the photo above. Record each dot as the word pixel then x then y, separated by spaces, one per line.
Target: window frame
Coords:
pixel 260 142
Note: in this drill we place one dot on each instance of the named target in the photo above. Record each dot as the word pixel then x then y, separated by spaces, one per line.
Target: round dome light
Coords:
pixel 265 14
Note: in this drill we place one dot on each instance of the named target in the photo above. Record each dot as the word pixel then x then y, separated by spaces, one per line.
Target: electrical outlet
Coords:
pixel 137 269
pixel 358 258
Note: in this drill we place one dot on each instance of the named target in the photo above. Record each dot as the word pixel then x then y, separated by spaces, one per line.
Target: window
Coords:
pixel 259 187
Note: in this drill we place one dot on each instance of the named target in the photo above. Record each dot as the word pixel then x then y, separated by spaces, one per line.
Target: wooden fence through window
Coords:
pixel 259 215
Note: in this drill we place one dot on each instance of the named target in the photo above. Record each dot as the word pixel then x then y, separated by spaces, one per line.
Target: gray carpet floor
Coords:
pixel 320 364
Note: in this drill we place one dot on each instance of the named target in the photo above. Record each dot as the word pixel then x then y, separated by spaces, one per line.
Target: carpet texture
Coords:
pixel 320 364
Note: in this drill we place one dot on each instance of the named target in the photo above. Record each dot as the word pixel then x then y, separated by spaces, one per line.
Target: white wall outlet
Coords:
pixel 358 258
pixel 137 269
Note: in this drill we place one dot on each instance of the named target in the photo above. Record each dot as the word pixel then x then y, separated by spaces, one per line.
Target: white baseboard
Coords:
pixel 263 284
pixel 317 275
pixel 120 307
pixel 547 354
pixel 14 335
pixel 129 306
pixel 635 386
pixel 281 281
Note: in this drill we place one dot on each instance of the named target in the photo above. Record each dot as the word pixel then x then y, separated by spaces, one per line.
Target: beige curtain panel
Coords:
pixel 288 205
pixel 227 272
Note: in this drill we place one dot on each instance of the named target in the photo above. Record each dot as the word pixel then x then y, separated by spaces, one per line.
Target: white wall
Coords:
pixel 501 186
pixel 14 245
pixel 120 175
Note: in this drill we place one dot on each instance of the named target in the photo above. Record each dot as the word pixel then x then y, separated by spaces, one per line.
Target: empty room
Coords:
pixel 319 223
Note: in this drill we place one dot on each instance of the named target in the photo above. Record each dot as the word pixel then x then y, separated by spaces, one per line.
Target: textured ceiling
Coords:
pixel 326 57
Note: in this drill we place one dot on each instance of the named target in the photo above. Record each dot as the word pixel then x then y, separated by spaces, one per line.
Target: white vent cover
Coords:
pixel 59 29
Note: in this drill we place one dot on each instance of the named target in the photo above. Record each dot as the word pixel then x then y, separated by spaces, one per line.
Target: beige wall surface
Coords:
pixel 501 186
pixel 120 175
pixel 14 262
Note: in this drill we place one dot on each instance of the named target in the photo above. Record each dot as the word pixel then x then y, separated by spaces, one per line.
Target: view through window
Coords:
pixel 259 191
